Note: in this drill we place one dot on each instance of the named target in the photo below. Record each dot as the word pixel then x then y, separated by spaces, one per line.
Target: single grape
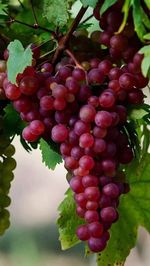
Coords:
pixel 29 85
pixel 127 81
pixel 104 201
pixel 23 104
pixel 83 232
pixel 119 42
pixel 105 66
pixel 105 38
pixel 60 104
pixel 92 193
pixel 59 91
pixel 107 99
pixel 108 214
pixel 95 76
pixel 70 163
pixel 89 181
pixel 72 85
pixel 59 133
pixel 65 149
pixel 86 140
pixel 114 73
pixel 27 135
pixel 87 113
pixel 12 92
pixel 91 216
pixel 94 62
pixel 47 103
pixel 77 152
pixel 78 74
pixel 92 205
pixel 86 162
pixel 103 119
pixel 76 184
pixel 95 229
pixel 99 145
pixel 96 244
pixel 81 200
pixel 64 72
pixel 37 127
pixel 99 132
pixel 9 151
pixel 47 67
pixel 111 190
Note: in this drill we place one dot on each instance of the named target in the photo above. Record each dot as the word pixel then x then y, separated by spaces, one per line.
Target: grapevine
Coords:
pixel 79 98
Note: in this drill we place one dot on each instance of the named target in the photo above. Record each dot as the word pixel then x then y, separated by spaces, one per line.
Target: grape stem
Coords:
pixel 65 39
pixel 68 52
pixel 71 55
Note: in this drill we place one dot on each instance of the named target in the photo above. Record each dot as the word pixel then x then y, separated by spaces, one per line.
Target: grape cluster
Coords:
pixel 83 108
pixel 7 165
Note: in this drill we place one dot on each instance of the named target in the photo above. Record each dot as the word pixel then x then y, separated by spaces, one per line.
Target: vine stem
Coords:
pixel 86 19
pixel 35 26
pixel 34 14
pixel 22 5
pixel 64 40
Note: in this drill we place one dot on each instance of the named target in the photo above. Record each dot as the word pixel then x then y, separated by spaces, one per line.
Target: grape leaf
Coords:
pixel 68 221
pixel 12 121
pixel 138 113
pixel 50 157
pixel 138 19
pixel 106 5
pixel 91 3
pixel 146 61
pixel 134 211
pixel 57 11
pixel 145 18
pixel 2 8
pixel 147 2
pixel 18 59
pixel 147 36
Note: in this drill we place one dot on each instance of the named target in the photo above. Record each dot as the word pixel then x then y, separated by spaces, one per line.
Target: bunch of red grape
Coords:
pixel 85 111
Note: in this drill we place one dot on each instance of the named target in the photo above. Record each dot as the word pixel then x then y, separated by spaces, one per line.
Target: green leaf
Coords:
pixel 138 19
pixel 134 211
pixel 147 2
pixel 18 59
pixel 145 18
pixel 146 65
pixel 57 11
pixel 146 61
pixel 50 157
pixel 106 5
pixel 68 221
pixel 2 8
pixel 147 36
pixel 91 3
pixel 138 113
pixel 12 122
pixel 125 10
